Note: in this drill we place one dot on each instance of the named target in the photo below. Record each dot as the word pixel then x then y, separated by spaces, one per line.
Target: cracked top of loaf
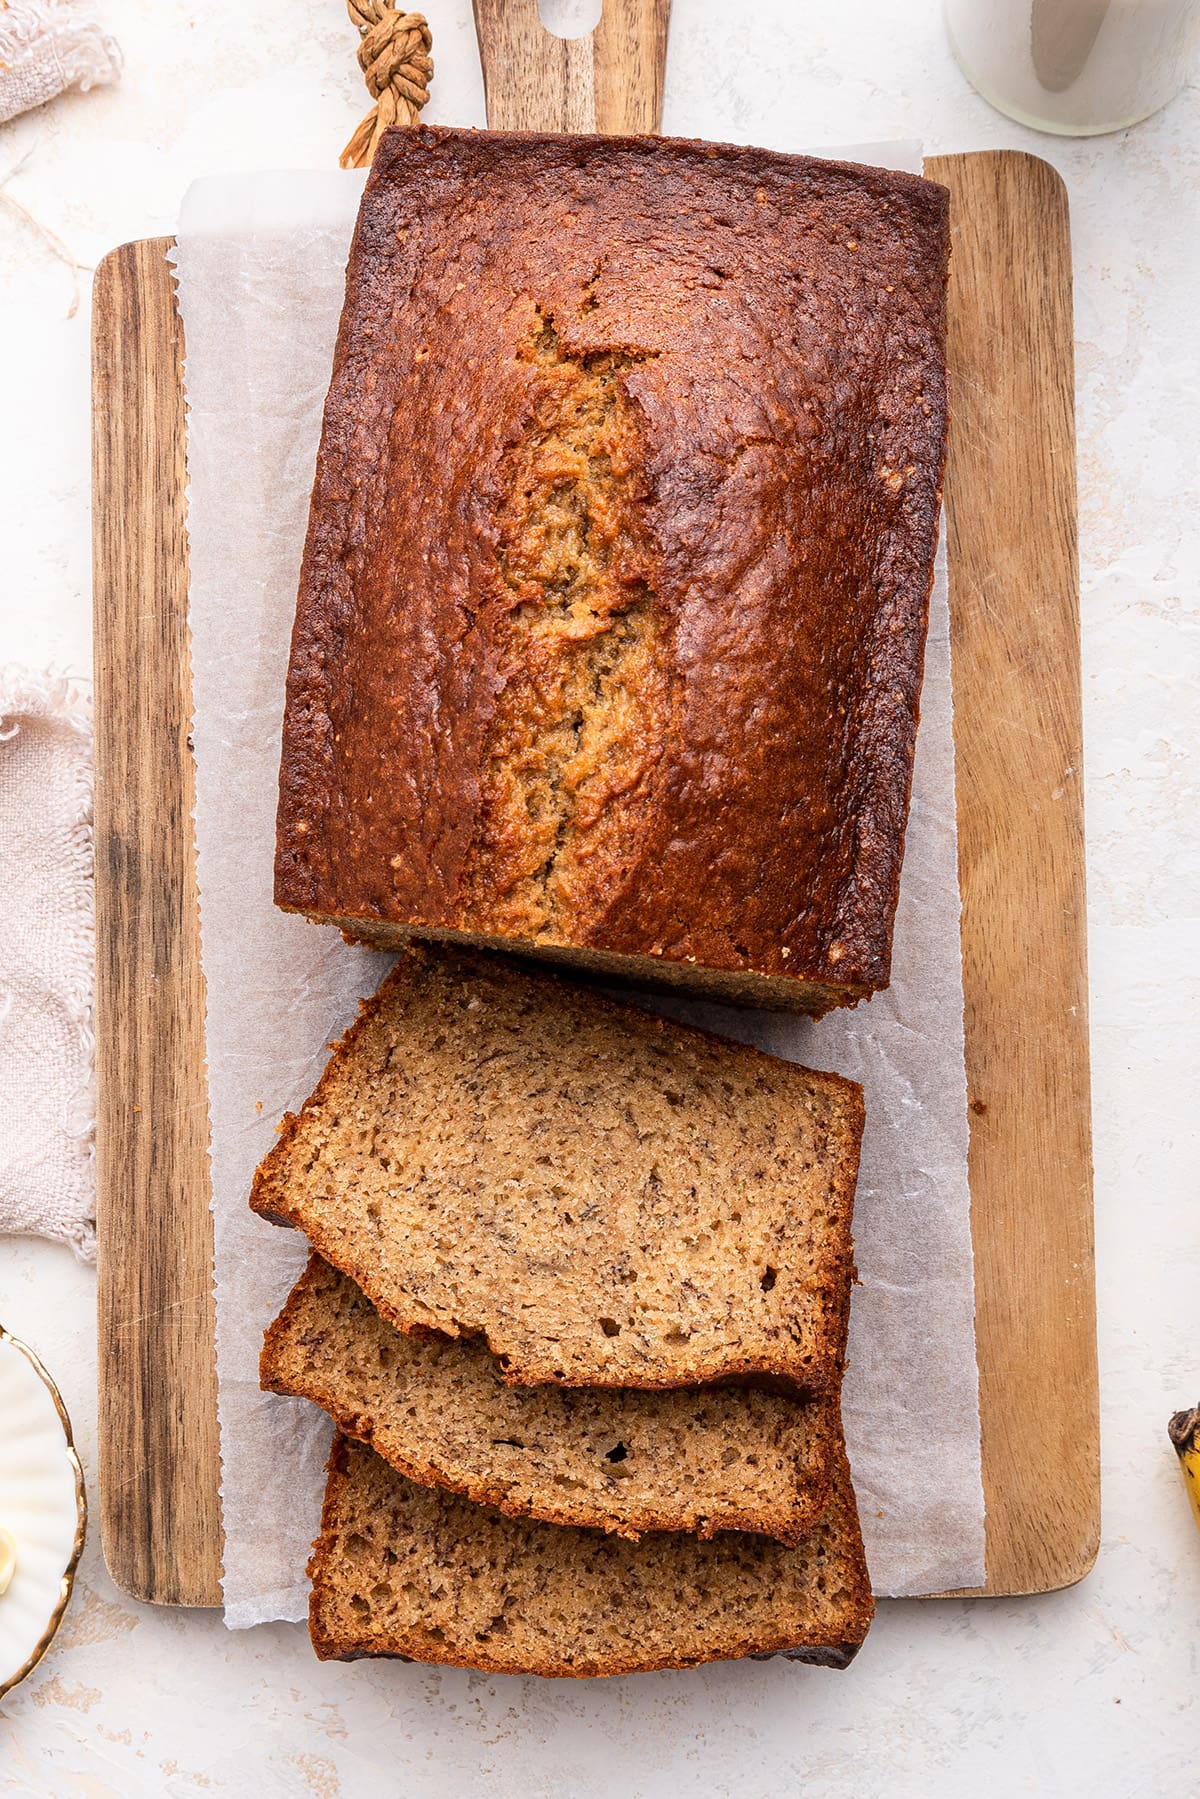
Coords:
pixel 612 612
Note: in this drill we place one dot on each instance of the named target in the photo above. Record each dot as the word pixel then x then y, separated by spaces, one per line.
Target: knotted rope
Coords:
pixel 395 59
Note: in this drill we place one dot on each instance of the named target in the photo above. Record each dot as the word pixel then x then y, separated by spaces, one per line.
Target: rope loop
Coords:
pixel 394 56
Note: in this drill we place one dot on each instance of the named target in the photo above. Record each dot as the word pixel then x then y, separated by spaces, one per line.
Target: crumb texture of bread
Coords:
pixel 609 1198
pixel 644 684
pixel 600 1458
pixel 406 1570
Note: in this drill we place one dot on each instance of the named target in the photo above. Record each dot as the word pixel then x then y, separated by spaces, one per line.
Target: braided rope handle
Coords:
pixel 394 56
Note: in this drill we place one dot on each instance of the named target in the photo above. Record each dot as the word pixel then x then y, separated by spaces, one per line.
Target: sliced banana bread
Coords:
pixel 603 1457
pixel 401 1569
pixel 611 1198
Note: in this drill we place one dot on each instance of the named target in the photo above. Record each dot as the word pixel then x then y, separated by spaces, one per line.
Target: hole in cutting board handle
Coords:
pixel 570 18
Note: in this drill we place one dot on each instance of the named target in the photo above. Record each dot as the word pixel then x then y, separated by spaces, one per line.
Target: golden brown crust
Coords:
pixel 330 1648
pixel 764 474
pixel 325 1569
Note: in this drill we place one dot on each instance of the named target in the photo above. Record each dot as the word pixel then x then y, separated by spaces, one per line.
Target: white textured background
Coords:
pixel 1093 1691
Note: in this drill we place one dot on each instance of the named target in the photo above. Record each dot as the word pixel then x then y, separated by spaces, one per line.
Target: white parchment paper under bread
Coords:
pixel 260 264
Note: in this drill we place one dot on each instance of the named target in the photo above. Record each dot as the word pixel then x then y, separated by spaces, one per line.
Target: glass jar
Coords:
pixel 1077 67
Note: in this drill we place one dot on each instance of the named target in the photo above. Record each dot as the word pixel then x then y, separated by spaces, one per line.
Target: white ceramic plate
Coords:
pixel 42 1509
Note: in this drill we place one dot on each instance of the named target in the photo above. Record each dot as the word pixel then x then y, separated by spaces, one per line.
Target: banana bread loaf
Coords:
pixel 604 1458
pixel 412 1571
pixel 612 1199
pixel 611 620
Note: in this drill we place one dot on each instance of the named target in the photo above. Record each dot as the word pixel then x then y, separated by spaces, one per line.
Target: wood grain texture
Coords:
pixel 1014 591
pixel 610 80
pixel 1014 602
pixel 1011 507
pixel 159 1468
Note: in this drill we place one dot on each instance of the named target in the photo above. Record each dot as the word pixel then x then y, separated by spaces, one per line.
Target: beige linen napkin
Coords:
pixel 48 46
pixel 47 1184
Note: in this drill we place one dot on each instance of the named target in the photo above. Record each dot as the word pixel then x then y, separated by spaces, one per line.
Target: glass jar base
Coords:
pixel 1025 112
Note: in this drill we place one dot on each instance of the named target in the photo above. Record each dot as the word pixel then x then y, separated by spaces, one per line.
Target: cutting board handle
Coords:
pixel 611 80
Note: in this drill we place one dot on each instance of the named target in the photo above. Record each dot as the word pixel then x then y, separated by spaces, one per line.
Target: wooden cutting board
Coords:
pixel 1010 497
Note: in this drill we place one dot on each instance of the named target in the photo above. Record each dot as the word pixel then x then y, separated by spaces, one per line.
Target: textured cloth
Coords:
pixel 47 1180
pixel 48 46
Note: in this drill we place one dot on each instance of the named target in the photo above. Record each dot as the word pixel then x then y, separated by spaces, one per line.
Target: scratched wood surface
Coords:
pixel 1010 499
pixel 159 1517
pixel 1014 604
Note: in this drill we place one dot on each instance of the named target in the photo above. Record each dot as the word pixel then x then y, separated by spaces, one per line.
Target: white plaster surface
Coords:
pixel 1093 1691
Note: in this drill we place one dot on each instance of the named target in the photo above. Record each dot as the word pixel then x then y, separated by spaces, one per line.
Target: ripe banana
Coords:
pixel 1184 1432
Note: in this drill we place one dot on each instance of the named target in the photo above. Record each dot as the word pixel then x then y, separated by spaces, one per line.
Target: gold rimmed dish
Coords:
pixel 43 1509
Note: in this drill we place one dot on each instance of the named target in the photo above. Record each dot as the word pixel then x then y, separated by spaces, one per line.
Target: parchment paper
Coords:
pixel 260 264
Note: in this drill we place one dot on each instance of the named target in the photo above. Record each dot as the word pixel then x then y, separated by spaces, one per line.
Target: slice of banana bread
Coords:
pixel 612 1199
pixel 413 1571
pixel 606 1458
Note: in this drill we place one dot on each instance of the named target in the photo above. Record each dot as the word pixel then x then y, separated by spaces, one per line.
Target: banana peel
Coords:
pixel 1184 1432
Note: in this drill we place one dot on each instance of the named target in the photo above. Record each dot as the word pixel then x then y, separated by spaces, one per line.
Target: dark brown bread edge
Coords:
pixel 658 973
pixel 269 1198
pixel 330 1648
pixel 584 1516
